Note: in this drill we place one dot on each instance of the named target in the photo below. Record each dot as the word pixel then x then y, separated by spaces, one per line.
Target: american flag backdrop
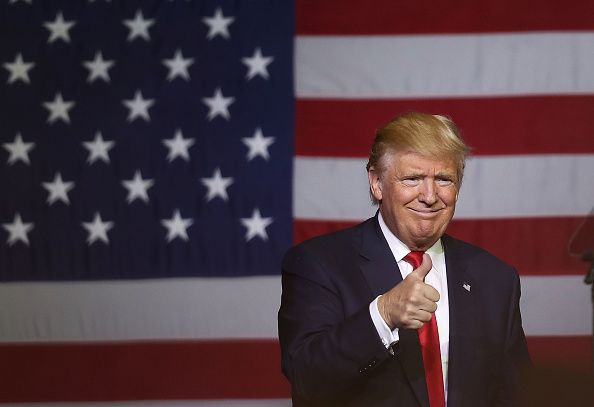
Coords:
pixel 158 157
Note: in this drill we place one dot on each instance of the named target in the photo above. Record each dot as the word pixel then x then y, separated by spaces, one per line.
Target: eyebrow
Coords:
pixel 445 174
pixel 419 174
pixel 416 173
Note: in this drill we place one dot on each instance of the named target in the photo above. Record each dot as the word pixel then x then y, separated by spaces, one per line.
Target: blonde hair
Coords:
pixel 422 133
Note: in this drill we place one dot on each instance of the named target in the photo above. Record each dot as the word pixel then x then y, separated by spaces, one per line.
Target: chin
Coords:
pixel 425 240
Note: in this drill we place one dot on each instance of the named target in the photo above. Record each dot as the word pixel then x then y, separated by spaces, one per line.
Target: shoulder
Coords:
pixel 470 252
pixel 477 260
pixel 329 249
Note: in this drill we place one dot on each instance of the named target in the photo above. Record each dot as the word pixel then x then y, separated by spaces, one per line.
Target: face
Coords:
pixel 417 196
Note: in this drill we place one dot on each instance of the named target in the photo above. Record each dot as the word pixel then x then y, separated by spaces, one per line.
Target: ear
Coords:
pixel 375 184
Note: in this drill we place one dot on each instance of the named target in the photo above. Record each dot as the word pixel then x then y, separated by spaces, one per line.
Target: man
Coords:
pixel 393 312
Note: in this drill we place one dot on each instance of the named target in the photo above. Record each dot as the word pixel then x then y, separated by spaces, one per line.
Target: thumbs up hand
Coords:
pixel 410 303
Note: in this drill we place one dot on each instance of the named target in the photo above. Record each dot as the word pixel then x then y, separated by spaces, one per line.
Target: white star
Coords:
pixel 139 26
pixel 178 146
pixel 178 66
pixel 218 105
pixel 218 24
pixel 256 225
pixel 18 150
pixel 217 185
pixel 17 230
pixel 58 189
pixel 58 109
pixel 137 187
pixel 59 28
pixel 18 69
pixel 176 226
pixel 98 68
pixel 258 145
pixel 98 149
pixel 257 65
pixel 97 229
pixel 138 107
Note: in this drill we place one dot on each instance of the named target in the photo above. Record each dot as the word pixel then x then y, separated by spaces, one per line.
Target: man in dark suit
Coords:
pixel 393 312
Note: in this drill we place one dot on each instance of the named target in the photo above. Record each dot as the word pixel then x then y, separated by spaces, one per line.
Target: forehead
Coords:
pixel 413 162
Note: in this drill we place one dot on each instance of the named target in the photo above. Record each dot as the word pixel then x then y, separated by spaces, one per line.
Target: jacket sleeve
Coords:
pixel 517 358
pixel 325 352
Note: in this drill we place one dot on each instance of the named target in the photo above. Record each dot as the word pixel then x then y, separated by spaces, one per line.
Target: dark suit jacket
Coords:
pixel 333 356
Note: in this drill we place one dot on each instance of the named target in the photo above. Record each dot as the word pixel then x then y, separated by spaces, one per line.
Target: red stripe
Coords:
pixel 535 246
pixel 570 352
pixel 353 17
pixel 519 125
pixel 554 386
pixel 141 371
pixel 183 370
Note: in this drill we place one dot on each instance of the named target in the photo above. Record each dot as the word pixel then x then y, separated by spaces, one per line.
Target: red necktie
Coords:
pixel 429 338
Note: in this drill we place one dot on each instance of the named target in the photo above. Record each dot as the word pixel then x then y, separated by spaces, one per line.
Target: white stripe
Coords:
pixel 564 298
pixel 444 65
pixel 145 309
pixel 219 308
pixel 493 187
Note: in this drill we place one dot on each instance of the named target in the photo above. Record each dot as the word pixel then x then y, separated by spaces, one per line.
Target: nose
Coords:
pixel 427 192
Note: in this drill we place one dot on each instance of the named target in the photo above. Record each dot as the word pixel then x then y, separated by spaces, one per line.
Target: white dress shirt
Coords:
pixel 436 278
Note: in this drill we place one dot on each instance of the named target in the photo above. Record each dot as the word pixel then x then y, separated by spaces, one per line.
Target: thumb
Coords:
pixel 422 271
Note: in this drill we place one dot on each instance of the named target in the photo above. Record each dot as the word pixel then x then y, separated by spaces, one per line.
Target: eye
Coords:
pixel 411 181
pixel 444 182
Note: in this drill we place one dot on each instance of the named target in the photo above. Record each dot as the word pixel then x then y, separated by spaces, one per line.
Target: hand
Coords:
pixel 411 303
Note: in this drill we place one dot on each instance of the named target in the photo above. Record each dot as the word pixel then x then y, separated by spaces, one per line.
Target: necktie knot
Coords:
pixel 414 259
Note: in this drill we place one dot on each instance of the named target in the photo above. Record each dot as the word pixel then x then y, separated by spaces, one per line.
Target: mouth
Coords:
pixel 426 212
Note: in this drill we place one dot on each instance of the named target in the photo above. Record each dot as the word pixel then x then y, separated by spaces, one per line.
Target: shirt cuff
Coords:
pixel 383 330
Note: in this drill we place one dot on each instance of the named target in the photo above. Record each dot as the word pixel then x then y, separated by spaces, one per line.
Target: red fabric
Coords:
pixel 429 338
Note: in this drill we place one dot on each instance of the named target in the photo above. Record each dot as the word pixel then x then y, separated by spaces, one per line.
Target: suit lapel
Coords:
pixel 376 260
pixel 381 273
pixel 461 306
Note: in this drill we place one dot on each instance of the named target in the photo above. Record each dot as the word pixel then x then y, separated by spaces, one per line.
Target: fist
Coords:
pixel 411 303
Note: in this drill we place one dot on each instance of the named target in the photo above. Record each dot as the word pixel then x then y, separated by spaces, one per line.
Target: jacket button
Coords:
pixel 370 365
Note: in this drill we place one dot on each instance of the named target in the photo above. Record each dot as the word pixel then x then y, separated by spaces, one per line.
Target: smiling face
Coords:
pixel 417 196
